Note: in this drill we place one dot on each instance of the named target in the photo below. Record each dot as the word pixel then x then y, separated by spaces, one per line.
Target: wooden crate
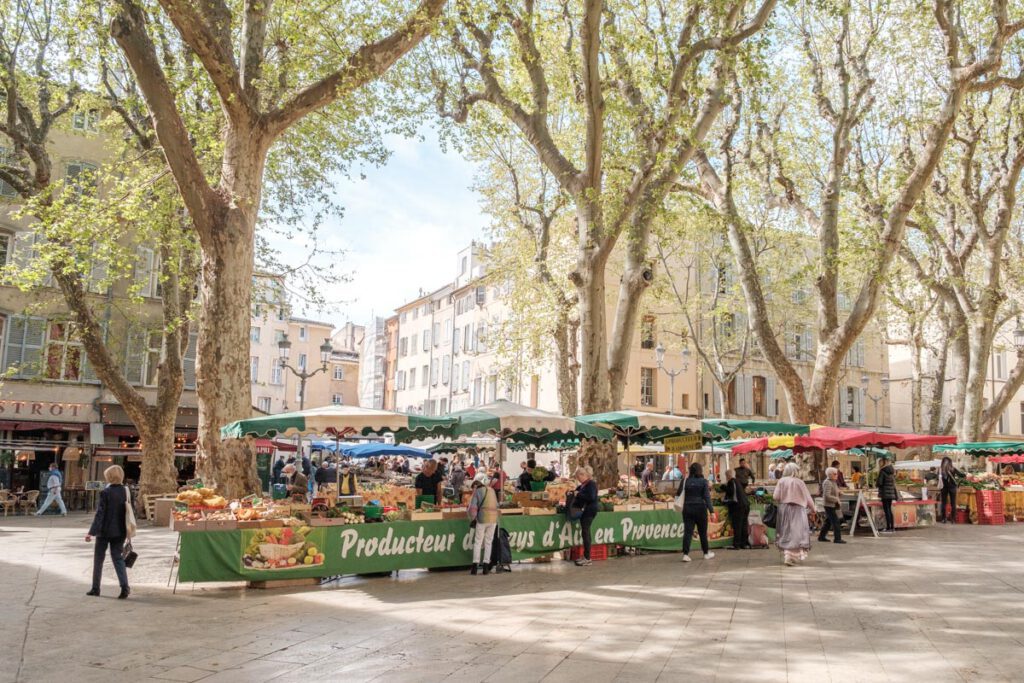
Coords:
pixel 185 525
pixel 149 503
pixel 420 516
pixel 327 521
pixel 511 511
pixel 627 507
pixel 539 511
pixel 221 524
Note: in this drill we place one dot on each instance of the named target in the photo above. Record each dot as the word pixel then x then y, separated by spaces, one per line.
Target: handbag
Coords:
pixel 770 515
pixel 129 555
pixel 681 498
pixel 130 525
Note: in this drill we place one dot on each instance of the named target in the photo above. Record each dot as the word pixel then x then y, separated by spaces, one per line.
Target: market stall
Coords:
pixel 996 496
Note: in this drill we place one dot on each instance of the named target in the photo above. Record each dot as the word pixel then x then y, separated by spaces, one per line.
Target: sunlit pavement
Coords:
pixel 942 604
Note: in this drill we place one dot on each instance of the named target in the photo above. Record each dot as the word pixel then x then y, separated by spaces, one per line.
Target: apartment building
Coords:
pixel 275 388
pixel 373 362
pixel 53 408
pixel 1008 344
pixel 446 360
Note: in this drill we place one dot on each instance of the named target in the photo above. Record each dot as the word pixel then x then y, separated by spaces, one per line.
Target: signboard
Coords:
pixel 95 485
pixel 684 443
pixel 270 554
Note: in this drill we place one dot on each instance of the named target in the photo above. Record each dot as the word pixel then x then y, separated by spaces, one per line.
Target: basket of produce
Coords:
pixel 274 551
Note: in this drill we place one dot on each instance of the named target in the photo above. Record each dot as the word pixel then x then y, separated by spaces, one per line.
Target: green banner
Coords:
pixel 270 554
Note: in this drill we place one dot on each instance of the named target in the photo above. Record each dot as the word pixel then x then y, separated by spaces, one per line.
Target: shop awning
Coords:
pixel 636 426
pixel 516 422
pixel 456 446
pixel 912 440
pixel 341 420
pixel 724 428
pixel 28 426
pixel 982 448
pixel 842 439
pixel 1003 459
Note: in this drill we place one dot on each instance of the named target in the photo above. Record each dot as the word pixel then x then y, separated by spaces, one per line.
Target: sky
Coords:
pixel 402 226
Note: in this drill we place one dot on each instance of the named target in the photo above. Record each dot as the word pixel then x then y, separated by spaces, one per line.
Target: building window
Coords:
pixel 457 341
pixel 276 374
pixel 80 176
pixel 403 347
pixel 302 333
pixel 647 386
pixel 1000 359
pixel 254 335
pixel 5 244
pixel 465 375
pixel 86 121
pixel 647 340
pixel 798 343
pixel 481 338
pixel 64 353
pixel 147 272
pixel 412 378
pixel 478 385
pixel 685 401
pixel 444 407
pixel 465 265
pixel 446 370
pixel 447 331
pixel 424 374
pixel 413 341
pixel 302 362
pixel 436 334
pixel 339 373
pixel 481 295
pixel 400 380
pixel 336 399
pixel 402 318
pixel 254 369
pixel 433 372
pixel 760 395
pixel 7 158
pixel 264 404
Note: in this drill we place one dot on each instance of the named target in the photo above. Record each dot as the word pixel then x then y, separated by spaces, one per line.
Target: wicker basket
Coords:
pixel 275 551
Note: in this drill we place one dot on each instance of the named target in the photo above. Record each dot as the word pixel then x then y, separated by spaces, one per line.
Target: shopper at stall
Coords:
pixel 325 473
pixel 585 500
pixel 278 466
pixel 948 478
pixel 830 499
pixel 110 530
pixel 457 478
pixel 297 482
pixel 772 472
pixel 739 510
pixel 471 470
pixel 648 478
pixel 483 517
pixel 696 508
pixel 792 530
pixel 744 475
pixel 430 481
pixel 887 493
pixel 53 485
pixel 840 479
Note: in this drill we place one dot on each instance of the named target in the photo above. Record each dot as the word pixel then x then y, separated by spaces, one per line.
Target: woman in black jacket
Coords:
pixel 948 477
pixel 887 493
pixel 110 530
pixel 696 507
pixel 585 498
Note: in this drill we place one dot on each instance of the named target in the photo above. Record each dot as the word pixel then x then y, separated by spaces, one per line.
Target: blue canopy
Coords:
pixel 375 450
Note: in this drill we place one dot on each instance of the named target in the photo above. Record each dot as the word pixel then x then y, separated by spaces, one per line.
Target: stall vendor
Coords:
pixel 347 483
pixel 430 481
pixel 744 475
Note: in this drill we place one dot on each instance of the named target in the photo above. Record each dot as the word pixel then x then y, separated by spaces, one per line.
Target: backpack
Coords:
pixel 501 551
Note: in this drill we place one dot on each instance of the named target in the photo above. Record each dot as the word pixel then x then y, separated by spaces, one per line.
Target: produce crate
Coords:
pixel 186 525
pixel 538 485
pixel 510 511
pixel 597 553
pixel 420 516
pixel 992 520
pixel 327 521
pixel 963 516
pixel 627 507
pixel 221 525
pixel 532 511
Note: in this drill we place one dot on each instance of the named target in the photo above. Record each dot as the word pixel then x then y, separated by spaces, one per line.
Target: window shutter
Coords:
pixel 769 394
pixel 465 375
pixel 25 339
pixel 189 361
pixel 23 250
pixel 748 394
pixel 97 276
pixel 144 271
pixel 791 344
pixel 716 399
pixel 135 356
pixel 861 412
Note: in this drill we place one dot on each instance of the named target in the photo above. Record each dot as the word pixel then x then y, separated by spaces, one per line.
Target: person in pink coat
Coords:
pixel 792 530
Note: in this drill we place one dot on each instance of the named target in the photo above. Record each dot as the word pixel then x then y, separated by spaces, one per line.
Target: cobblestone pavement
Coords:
pixel 942 604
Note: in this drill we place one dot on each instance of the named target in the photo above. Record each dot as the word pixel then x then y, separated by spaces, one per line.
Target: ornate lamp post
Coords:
pixel 659 352
pixel 284 348
pixel 864 379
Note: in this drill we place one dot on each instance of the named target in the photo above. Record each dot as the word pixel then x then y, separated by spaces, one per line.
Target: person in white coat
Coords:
pixel 53 485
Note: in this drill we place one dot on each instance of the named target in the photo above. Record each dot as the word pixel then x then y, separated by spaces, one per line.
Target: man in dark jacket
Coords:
pixel 887 493
pixel 744 475
pixel 278 466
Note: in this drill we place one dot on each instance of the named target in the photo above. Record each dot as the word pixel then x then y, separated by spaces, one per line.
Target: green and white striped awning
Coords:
pixel 340 421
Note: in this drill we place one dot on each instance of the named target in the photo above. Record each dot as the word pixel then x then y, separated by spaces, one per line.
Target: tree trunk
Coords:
pixel 935 425
pixel 159 474
pixel 636 278
pixel 589 281
pixel 979 343
pixel 222 360
pixel 915 387
pixel 566 335
pixel 602 458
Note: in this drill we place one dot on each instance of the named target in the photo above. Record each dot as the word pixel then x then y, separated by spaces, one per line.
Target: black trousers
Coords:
pixel 691 519
pixel 585 523
pixel 947 492
pixel 740 528
pixel 832 522
pixel 890 522
pixel 116 546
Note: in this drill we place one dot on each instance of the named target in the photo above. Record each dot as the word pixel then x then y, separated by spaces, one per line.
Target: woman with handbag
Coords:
pixel 948 478
pixel 793 532
pixel 584 508
pixel 110 528
pixel 483 518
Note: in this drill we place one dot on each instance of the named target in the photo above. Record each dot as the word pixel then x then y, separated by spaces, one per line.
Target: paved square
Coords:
pixel 943 604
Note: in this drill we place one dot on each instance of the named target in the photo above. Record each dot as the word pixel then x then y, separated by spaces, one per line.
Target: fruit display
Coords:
pixel 988 481
pixel 287 548
pixel 202 497
pixel 346 515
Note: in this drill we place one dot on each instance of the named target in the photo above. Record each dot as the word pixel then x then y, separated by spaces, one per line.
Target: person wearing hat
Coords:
pixel 483 518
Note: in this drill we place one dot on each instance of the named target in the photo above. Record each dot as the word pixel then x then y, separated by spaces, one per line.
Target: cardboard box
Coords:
pixel 327 521
pixel 221 524
pixel 539 511
pixel 185 525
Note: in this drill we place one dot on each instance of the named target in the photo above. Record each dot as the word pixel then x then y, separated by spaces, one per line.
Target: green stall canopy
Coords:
pixel 530 426
pixel 722 429
pixel 339 421
pixel 983 448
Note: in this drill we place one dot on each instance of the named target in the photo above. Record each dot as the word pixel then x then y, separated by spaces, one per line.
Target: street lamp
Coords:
pixel 284 349
pixel 1018 337
pixel 659 353
pixel 864 379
